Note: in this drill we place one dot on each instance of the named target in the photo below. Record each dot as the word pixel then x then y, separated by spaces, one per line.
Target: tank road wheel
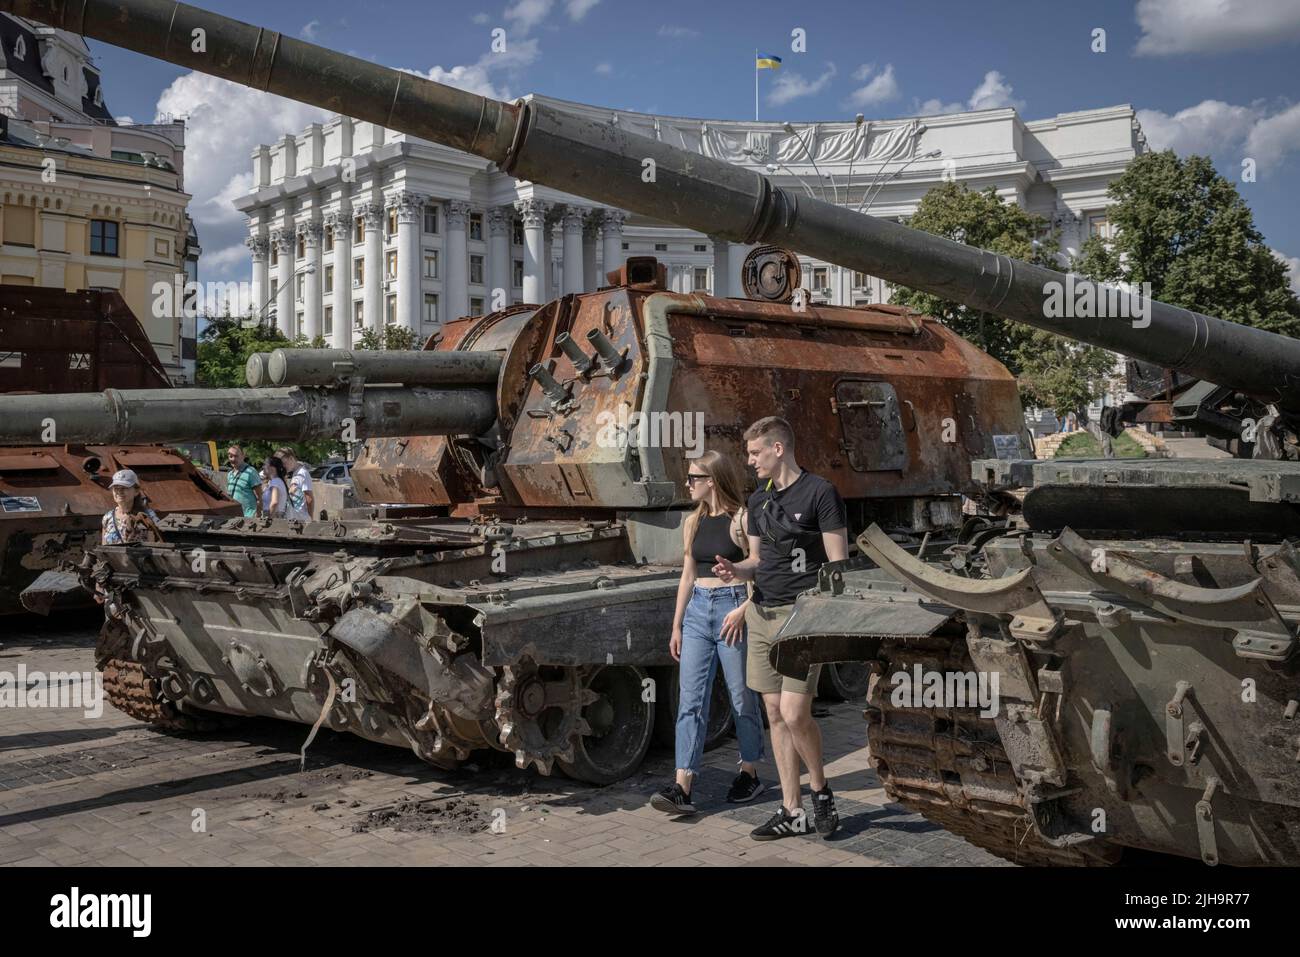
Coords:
pixel 618 725
pixel 669 692
pixel 539 712
pixel 844 681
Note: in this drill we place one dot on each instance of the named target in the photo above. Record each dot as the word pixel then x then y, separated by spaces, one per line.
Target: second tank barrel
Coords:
pixel 132 416
pixel 331 366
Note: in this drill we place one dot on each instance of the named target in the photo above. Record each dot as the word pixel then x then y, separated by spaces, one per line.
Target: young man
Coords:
pixel 298 477
pixel 797 522
pixel 243 484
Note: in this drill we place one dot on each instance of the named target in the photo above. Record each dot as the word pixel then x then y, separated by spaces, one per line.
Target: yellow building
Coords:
pixel 86 203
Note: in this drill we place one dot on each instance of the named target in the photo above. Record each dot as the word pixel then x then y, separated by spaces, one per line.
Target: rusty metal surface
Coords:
pixel 56 341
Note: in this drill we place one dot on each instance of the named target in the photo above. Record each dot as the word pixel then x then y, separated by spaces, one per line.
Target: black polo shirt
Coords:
pixel 799 513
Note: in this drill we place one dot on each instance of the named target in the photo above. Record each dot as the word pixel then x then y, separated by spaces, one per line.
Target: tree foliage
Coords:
pixel 1185 229
pixel 394 337
pixel 1053 372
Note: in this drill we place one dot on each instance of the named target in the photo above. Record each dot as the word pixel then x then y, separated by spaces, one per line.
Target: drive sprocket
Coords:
pixel 539 712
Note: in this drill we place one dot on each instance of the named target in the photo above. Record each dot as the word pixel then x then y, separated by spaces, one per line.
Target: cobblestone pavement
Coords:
pixel 110 791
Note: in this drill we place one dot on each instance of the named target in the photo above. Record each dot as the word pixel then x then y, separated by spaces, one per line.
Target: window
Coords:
pixel 660 247
pixel 298 287
pixel 1099 225
pixel 431 264
pixel 298 317
pixel 390 264
pixel 162 247
pixel 390 310
pixel 275 288
pixel 700 249
pixel 358 272
pixel 431 307
pixel 517 233
pixel 302 246
pixel 819 277
pixel 20 49
pixel 329 321
pixel 476 307
pixel 358 231
pixel 329 278
pixel 358 314
pixel 391 222
pixel 625 246
pixel 431 219
pixel 329 240
pixel 103 237
pixel 859 280
pixel 20 225
pixel 275 254
pixel 701 279
pixel 476 269
pixel 476 226
pixel 517 278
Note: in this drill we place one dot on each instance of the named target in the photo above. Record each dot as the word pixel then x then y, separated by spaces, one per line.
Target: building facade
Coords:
pixel 353 227
pixel 89 203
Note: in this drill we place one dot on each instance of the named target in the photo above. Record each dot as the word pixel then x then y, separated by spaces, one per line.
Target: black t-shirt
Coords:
pixel 794 517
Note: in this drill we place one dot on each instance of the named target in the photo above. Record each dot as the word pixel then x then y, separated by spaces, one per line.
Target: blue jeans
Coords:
pixel 702 649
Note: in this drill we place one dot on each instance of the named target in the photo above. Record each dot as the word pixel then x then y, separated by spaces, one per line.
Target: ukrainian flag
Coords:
pixel 766 61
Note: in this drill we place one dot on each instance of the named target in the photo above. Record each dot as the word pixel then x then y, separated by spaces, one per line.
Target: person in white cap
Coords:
pixel 130 519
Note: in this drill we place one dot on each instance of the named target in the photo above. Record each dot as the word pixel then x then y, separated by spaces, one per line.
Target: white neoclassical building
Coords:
pixel 353 226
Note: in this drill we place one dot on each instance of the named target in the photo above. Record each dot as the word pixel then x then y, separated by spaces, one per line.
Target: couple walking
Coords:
pixel 794 523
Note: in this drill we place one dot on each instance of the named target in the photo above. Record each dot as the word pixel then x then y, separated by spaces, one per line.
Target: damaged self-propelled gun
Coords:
pixel 1139 609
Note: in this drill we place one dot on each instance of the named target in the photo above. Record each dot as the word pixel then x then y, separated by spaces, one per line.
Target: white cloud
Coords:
pixel 1273 137
pixel 1202 128
pixel 1215 26
pixel 605 69
pixel 480 18
pixel 477 77
pixel 678 33
pixel 993 93
pixel 1293 264
pixel 310 30
pixel 880 89
pixel 934 107
pixel 526 14
pixel 577 9
pixel 792 86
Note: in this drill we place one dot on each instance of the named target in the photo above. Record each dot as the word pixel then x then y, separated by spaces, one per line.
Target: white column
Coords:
pixel 373 311
pixel 456 287
pixel 410 296
pixel 533 213
pixel 284 249
pixel 573 271
pixel 311 292
pixel 500 220
pixel 260 248
pixel 721 266
pixel 590 227
pixel 340 224
pixel 612 239
pixel 553 218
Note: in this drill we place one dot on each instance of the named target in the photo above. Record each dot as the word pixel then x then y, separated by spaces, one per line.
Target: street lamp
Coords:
pixel 789 128
pixel 773 166
pixel 857 126
pixel 261 313
pixel 893 176
pixel 919 130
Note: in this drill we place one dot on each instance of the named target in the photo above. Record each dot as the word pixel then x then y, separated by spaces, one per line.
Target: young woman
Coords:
pixel 708 609
pixel 275 494
pixel 130 519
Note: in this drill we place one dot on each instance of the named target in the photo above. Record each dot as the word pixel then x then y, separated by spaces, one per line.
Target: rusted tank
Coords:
pixel 1125 640
pixel 53 493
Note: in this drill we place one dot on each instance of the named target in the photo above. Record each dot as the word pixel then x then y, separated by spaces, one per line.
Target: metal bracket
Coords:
pixel 1175 740
pixel 1205 824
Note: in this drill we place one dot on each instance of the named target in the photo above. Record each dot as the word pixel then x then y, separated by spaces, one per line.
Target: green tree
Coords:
pixel 1052 372
pixel 223 350
pixel 1185 229
pixel 394 337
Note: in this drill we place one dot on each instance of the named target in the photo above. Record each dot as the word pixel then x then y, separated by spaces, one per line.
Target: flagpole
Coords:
pixel 755 84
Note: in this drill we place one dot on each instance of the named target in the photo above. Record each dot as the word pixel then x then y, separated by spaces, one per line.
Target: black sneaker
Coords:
pixel 746 787
pixel 782 824
pixel 825 818
pixel 673 800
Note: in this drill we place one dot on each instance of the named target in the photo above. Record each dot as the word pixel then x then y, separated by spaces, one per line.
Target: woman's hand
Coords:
pixel 675 643
pixel 733 625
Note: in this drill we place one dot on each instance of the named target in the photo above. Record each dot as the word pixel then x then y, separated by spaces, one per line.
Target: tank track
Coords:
pixel 133 691
pixel 949 766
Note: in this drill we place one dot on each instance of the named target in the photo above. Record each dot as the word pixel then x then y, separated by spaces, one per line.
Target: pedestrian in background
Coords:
pixel 302 499
pixel 130 519
pixel 243 484
pixel 275 494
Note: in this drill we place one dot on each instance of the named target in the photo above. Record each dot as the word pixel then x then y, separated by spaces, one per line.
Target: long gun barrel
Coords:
pixel 602 162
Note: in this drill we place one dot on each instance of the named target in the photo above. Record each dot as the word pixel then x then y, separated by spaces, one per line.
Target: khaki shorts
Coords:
pixel 763 623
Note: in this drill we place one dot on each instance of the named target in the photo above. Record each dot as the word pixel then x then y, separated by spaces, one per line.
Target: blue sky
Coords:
pixel 1215 76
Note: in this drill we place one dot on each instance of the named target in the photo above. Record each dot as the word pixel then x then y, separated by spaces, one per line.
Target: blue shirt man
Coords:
pixel 243 484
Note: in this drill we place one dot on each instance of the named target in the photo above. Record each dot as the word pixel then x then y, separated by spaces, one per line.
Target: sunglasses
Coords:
pixel 693 477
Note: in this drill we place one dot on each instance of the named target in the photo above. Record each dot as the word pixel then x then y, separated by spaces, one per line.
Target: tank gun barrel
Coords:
pixel 600 161
pixel 123 417
pixel 287 367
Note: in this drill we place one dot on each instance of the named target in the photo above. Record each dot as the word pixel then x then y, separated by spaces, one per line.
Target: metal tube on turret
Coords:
pixel 605 162
pixel 256 372
pixel 123 417
pixel 334 366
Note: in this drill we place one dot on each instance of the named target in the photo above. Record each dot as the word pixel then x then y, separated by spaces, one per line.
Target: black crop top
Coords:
pixel 713 537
